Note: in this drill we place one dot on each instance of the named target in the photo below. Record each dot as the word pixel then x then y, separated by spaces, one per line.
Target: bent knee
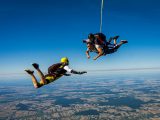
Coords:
pixel 37 86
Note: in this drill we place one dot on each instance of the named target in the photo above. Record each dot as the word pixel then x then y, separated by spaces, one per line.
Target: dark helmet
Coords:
pixel 90 36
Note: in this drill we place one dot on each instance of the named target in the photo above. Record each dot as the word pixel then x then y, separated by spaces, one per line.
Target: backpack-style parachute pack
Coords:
pixel 54 68
pixel 101 38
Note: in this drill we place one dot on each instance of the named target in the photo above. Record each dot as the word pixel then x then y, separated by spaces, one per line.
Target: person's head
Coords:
pixel 91 36
pixel 65 60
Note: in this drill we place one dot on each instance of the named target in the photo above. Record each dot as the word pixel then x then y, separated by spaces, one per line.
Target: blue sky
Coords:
pixel 43 31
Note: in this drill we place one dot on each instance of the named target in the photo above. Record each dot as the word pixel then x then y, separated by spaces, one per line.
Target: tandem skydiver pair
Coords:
pixel 98 43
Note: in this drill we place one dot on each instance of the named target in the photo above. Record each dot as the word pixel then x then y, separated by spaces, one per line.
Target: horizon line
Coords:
pixel 121 69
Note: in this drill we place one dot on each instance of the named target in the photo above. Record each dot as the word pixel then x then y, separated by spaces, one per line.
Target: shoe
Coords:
pixel 35 65
pixel 124 41
pixel 116 37
pixel 29 71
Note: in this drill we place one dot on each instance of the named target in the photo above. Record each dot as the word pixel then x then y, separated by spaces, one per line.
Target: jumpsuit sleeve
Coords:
pixel 73 71
pixel 67 69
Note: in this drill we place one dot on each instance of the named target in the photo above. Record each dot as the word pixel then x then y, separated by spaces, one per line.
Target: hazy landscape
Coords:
pixel 133 95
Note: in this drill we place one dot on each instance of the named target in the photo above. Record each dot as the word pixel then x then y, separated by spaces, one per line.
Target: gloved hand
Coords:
pixel 82 72
pixel 76 72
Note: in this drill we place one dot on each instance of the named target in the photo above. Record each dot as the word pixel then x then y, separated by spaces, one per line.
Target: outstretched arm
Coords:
pixel 87 54
pixel 73 71
pixel 67 74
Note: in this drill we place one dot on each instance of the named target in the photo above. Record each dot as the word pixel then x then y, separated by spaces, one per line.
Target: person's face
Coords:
pixel 91 38
pixel 89 46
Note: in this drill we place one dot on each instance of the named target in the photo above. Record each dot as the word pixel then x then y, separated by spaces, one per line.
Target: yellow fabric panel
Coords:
pixel 52 78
